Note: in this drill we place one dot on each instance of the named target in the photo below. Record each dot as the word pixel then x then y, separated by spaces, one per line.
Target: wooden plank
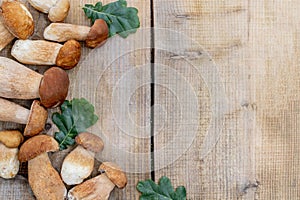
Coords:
pixel 96 79
pixel 255 47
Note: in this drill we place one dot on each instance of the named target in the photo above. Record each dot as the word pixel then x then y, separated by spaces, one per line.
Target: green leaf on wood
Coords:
pixel 120 19
pixel 76 116
pixel 161 191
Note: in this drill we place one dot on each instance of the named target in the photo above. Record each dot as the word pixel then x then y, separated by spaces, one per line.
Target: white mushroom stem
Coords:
pixel 9 163
pixel 61 32
pixel 44 180
pixel 18 81
pixel 5 36
pixel 11 112
pixel 98 187
pixel 36 52
pixel 43 5
pixel 77 166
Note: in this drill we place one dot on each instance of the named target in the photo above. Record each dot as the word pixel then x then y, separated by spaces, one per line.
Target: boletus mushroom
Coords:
pixel 44 180
pixel 20 82
pixel 9 163
pixel 79 164
pixel 100 187
pixel 94 36
pixel 35 118
pixel 57 9
pixel 41 52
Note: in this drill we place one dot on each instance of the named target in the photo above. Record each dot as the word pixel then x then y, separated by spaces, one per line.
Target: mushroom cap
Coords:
pixel 37 145
pixel 98 34
pixel 69 55
pixel 17 19
pixel 90 142
pixel 36 120
pixel 114 173
pixel 11 138
pixel 54 87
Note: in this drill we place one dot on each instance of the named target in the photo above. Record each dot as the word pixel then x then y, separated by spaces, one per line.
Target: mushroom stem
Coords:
pixel 11 112
pixel 5 36
pixel 97 188
pixel 61 32
pixel 18 81
pixel 44 180
pixel 9 163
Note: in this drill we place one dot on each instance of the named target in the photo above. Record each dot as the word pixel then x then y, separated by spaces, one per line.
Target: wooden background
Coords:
pixel 254 48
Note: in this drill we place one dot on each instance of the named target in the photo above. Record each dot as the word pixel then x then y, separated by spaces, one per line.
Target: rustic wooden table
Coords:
pixel 221 115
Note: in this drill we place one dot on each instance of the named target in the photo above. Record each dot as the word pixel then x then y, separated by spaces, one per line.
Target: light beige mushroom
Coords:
pixel 20 82
pixel 9 163
pixel 41 52
pixel 57 9
pixel 94 36
pixel 35 118
pixel 100 187
pixel 44 180
pixel 79 164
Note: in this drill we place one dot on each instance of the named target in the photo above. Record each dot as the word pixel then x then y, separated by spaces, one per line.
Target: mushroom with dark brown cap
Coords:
pixel 17 19
pixel 44 180
pixel 9 163
pixel 79 164
pixel 94 36
pixel 100 187
pixel 41 52
pixel 20 82
pixel 35 118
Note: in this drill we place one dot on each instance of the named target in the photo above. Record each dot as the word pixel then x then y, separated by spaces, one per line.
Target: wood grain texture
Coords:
pixel 255 47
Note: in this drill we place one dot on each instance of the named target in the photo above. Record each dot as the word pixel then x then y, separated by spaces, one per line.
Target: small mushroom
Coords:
pixel 17 19
pixel 9 163
pixel 35 118
pixel 41 52
pixel 20 82
pixel 57 9
pixel 79 164
pixel 93 36
pixel 44 180
pixel 100 187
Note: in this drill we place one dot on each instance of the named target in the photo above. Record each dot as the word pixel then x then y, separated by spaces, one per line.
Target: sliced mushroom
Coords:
pixel 20 82
pixel 100 187
pixel 57 9
pixel 17 19
pixel 79 164
pixel 44 180
pixel 35 118
pixel 41 52
pixel 94 36
pixel 9 163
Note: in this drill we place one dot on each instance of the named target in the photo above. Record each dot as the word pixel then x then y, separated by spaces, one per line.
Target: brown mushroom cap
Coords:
pixel 114 173
pixel 36 120
pixel 54 87
pixel 98 34
pixel 37 145
pixel 17 19
pixel 90 142
pixel 11 138
pixel 69 55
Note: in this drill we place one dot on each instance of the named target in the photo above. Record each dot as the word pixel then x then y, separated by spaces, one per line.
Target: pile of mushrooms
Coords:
pixel 46 91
